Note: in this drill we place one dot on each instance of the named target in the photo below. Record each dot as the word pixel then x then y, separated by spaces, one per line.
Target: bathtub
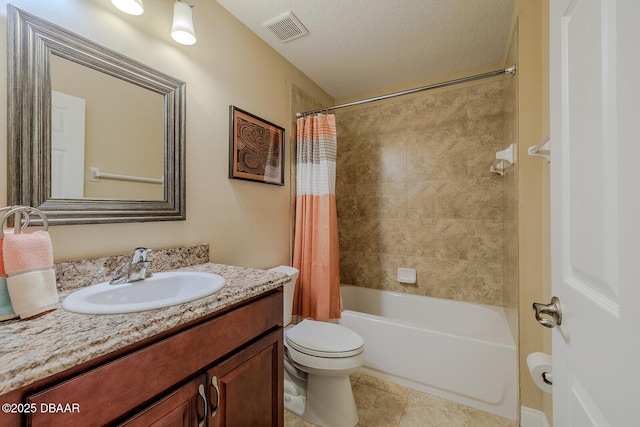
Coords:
pixel 455 350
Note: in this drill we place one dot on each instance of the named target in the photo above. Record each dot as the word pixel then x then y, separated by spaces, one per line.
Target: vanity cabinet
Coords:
pixel 240 391
pixel 222 370
pixel 184 407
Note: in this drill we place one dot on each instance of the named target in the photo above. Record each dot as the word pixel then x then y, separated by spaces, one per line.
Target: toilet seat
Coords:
pixel 323 339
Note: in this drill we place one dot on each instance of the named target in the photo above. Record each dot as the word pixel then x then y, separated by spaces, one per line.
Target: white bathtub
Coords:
pixel 459 351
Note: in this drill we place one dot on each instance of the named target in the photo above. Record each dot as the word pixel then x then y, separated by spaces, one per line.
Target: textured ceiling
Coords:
pixel 355 46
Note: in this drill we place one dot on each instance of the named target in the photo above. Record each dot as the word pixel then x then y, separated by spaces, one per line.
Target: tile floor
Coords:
pixel 384 404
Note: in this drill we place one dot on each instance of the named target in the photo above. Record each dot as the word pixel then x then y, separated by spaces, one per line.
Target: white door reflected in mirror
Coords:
pixel 67 145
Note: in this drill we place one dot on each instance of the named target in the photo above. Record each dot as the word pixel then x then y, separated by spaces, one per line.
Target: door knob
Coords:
pixel 552 310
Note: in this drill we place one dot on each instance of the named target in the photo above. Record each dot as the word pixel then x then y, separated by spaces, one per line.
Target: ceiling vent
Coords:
pixel 286 27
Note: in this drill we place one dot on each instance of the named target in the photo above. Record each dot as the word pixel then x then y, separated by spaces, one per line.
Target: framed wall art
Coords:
pixel 256 148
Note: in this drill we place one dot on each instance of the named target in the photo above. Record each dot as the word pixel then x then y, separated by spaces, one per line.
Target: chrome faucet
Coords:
pixel 135 271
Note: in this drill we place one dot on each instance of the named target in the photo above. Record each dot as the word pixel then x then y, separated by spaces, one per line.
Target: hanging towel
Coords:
pixel 28 261
pixel 6 309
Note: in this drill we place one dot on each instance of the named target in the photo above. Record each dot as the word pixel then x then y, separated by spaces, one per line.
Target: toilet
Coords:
pixel 319 357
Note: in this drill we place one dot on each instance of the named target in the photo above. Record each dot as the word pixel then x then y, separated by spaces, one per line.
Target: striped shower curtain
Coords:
pixel 315 248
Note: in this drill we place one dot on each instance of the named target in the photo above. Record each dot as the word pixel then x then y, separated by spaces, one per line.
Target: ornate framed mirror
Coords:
pixel 146 104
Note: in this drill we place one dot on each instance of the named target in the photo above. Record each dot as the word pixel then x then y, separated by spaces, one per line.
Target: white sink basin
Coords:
pixel 160 290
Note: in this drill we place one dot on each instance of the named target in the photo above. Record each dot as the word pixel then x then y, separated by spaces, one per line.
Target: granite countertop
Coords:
pixel 31 350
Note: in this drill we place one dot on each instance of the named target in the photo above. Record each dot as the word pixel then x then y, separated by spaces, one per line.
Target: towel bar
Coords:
pixel 95 175
pixel 541 150
pixel 21 220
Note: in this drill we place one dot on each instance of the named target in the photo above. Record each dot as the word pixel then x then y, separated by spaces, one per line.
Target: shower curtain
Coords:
pixel 315 248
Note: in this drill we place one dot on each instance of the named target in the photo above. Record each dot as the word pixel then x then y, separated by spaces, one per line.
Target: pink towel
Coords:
pixel 28 261
pixel 6 309
pixel 27 252
pixel 3 272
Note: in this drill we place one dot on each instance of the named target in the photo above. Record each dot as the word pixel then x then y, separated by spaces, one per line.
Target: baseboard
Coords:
pixel 532 418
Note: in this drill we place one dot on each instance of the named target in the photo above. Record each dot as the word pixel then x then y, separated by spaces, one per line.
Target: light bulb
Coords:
pixel 132 7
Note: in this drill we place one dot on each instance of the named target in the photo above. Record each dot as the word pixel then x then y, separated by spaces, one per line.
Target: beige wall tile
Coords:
pixel 422 199
pixel 451 199
pixel 484 198
pixel 368 237
pixel 347 162
pixel 369 270
pixel 421 162
pixel 393 166
pixel 424 196
pixel 485 240
pixel 421 237
pixel 348 266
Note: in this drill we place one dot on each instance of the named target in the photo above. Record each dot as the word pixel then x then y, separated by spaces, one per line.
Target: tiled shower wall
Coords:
pixel 414 190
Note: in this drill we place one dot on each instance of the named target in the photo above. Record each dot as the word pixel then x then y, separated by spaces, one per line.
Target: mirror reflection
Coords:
pixel 100 122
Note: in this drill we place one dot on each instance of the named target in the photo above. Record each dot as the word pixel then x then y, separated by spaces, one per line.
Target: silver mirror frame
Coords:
pixel 31 42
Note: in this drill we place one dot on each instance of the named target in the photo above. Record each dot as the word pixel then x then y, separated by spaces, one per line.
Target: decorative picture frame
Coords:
pixel 256 148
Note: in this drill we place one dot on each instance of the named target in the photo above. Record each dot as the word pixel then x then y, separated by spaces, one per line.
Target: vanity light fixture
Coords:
pixel 132 7
pixel 182 30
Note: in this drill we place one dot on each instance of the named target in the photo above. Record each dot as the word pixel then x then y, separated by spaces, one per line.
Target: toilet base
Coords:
pixel 295 399
pixel 330 401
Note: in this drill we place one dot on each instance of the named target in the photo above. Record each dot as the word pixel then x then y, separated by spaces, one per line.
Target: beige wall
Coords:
pixel 533 228
pixel 510 231
pixel 414 190
pixel 547 400
pixel 245 223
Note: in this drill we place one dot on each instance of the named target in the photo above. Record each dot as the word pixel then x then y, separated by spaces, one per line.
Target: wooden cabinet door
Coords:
pixel 184 407
pixel 247 389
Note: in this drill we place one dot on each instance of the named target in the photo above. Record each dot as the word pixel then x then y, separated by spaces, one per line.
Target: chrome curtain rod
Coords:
pixel 510 70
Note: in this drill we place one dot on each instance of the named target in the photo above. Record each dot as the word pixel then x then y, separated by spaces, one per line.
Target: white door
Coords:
pixel 595 210
pixel 67 145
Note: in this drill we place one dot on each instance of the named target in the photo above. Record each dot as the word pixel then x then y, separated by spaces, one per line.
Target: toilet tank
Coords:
pixel 288 290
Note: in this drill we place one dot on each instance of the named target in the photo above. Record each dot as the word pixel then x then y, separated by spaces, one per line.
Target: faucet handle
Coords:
pixel 120 275
pixel 140 255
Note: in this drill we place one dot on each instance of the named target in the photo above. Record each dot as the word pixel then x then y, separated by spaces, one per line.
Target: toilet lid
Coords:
pixel 324 339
